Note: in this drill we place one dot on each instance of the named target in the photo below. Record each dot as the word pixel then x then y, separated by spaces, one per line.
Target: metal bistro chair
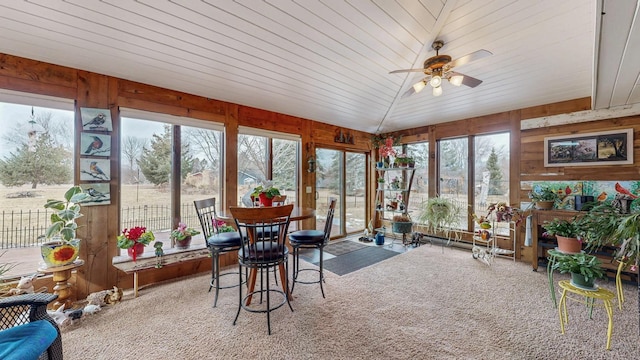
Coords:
pixel 26 330
pixel 262 250
pixel 217 242
pixel 315 239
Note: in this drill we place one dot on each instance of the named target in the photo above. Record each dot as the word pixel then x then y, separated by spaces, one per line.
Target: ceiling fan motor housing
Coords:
pixel 436 62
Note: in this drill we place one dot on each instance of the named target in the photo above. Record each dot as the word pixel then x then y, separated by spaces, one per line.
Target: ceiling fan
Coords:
pixel 440 67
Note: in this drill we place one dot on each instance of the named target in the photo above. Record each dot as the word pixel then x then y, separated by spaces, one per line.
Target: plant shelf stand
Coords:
pixel 487 249
pixel 404 190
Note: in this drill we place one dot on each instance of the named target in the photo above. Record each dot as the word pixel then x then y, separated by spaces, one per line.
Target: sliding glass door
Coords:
pixel 332 180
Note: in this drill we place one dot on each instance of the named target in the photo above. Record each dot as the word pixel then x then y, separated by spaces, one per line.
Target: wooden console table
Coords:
pixel 538 219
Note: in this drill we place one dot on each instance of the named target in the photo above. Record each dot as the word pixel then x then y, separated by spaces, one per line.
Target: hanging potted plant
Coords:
pixel 584 269
pixel 61 247
pixel 182 235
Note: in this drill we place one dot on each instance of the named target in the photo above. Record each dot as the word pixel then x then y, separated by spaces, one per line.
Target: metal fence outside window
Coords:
pixel 22 228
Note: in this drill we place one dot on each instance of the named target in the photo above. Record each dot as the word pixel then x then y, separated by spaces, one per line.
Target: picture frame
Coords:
pixel 614 147
pixel 100 193
pixel 94 119
pixel 92 169
pixel 92 144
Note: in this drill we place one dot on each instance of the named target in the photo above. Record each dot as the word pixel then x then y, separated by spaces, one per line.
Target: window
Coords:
pixel 36 163
pixel 148 167
pixel 491 173
pixel 420 187
pixel 453 172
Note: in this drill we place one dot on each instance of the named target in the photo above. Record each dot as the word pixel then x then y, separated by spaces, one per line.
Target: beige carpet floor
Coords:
pixel 423 304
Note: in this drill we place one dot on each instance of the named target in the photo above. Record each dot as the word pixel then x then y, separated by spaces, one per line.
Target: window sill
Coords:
pixel 148 259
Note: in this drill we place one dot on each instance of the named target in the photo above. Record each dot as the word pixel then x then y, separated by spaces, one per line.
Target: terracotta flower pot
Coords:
pixel 544 205
pixel 569 245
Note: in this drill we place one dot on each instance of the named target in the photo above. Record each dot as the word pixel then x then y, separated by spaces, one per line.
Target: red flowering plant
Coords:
pixel 133 236
pixel 222 226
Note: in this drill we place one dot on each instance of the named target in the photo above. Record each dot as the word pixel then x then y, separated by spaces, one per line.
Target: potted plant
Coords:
pixel 401 223
pixel 584 269
pixel 182 235
pixel 567 233
pixel 265 193
pixel 61 246
pixel 439 214
pixel 403 160
pixel 543 198
pixel 134 240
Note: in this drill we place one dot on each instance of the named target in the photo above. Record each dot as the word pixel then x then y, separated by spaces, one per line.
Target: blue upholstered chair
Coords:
pixel 27 332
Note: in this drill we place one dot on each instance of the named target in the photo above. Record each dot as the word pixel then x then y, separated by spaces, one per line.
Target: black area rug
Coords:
pixel 343 247
pixel 357 259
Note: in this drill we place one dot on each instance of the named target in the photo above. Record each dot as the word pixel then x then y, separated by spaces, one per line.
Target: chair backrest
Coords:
pixel 279 200
pixel 256 226
pixel 206 210
pixel 328 225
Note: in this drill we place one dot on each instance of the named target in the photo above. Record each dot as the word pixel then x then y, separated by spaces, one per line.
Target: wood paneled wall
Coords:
pixel 102 222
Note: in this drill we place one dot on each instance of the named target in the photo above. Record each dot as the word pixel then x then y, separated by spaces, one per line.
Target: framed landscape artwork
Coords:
pixel 603 148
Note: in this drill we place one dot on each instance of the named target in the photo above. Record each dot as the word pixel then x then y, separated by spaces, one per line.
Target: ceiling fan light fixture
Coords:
pixel 435 81
pixel 437 91
pixel 419 86
pixel 456 80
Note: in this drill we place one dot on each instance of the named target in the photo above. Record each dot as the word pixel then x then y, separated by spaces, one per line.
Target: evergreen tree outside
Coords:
pixel 495 182
pixel 155 162
pixel 41 156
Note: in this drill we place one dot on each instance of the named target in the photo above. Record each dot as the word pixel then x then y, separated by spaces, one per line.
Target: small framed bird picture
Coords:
pixel 100 193
pixel 96 119
pixel 95 144
pixel 95 169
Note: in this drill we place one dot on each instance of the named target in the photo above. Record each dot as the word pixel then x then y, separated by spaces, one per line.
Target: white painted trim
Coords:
pixel 580 117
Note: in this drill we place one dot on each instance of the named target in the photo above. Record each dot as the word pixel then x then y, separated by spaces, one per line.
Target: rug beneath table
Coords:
pixel 357 259
pixel 342 247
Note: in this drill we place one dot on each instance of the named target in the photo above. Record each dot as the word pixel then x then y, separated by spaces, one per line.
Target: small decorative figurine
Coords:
pixel 159 252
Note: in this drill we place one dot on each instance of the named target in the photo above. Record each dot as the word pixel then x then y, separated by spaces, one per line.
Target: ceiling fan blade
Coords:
pixel 476 55
pixel 466 80
pixel 405 71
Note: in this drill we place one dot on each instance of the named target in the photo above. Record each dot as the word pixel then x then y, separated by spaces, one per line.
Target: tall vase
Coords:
pixel 135 250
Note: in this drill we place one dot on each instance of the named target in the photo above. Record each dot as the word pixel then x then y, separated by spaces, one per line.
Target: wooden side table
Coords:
pixel 61 276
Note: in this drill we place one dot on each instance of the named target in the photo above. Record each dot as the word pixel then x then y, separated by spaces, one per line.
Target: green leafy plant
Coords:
pixel 566 228
pixel 587 265
pixel 439 214
pixel 269 190
pixel 627 237
pixel 63 220
pixel 183 231
pixel 135 235
pixel 599 224
pixel 544 194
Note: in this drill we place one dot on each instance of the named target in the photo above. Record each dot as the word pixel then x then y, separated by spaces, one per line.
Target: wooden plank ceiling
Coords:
pixel 329 60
